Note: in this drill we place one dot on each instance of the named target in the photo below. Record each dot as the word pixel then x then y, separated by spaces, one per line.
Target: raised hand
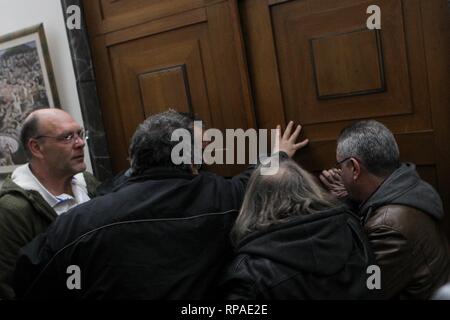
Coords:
pixel 287 141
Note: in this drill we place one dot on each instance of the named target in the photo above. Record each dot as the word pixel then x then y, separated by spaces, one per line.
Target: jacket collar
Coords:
pixel 158 173
pixel 404 187
pixel 33 197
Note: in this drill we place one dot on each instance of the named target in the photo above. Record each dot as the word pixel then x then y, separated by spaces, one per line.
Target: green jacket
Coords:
pixel 24 214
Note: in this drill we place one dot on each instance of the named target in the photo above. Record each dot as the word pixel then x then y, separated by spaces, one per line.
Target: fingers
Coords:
pixel 333 182
pixel 301 144
pixel 278 132
pixel 326 179
pixel 332 174
pixel 288 139
pixel 327 174
pixel 331 179
pixel 288 131
pixel 341 194
pixel 294 136
pixel 336 175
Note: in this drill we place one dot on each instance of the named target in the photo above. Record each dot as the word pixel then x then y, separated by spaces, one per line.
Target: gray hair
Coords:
pixel 273 199
pixel 151 145
pixel 373 144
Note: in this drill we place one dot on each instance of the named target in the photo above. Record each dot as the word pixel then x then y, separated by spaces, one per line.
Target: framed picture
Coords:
pixel 26 84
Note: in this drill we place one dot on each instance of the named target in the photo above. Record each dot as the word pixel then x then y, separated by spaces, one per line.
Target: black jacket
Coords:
pixel 317 256
pixel 162 235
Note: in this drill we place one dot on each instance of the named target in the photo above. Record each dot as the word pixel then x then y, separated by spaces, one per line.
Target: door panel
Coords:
pixel 311 61
pixel 315 62
pixel 188 61
pixel 145 66
pixel 165 87
pixel 336 64
pixel 111 15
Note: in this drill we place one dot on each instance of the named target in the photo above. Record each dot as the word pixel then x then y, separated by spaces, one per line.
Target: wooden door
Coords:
pixel 153 55
pixel 312 61
pixel 316 62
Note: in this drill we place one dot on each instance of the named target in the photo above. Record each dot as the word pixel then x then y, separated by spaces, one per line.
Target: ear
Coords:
pixel 35 149
pixel 356 169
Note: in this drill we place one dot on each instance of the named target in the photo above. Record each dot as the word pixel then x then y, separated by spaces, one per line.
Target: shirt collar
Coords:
pixel 25 179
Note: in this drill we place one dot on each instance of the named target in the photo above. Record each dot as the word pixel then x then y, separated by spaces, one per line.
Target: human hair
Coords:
pixel 371 143
pixel 30 129
pixel 151 145
pixel 190 115
pixel 277 198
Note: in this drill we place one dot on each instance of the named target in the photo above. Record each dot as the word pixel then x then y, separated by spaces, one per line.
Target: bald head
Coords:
pixel 50 115
pixel 39 121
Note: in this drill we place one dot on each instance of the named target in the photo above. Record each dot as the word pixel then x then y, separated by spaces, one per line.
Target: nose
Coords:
pixel 79 142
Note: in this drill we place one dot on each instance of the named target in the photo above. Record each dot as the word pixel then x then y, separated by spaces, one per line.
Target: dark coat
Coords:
pixel 161 235
pixel 317 256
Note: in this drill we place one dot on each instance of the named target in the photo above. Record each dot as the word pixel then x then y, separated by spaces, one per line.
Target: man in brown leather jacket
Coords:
pixel 401 213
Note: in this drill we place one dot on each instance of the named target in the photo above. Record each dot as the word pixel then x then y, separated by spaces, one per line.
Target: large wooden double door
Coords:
pixel 257 63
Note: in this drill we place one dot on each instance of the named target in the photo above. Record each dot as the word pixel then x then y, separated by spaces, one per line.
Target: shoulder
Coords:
pixel 90 182
pixel 402 219
pixel 17 214
pixel 14 202
pixel 23 205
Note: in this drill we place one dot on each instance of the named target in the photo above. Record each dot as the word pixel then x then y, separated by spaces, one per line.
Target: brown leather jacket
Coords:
pixel 411 250
pixel 402 221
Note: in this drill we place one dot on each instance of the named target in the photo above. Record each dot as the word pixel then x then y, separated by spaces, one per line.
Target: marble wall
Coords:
pixel 87 92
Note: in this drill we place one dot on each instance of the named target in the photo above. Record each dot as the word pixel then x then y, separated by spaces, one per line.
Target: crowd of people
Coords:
pixel 176 231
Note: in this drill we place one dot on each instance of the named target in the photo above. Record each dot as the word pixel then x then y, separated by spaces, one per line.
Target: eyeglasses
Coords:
pixel 339 163
pixel 67 138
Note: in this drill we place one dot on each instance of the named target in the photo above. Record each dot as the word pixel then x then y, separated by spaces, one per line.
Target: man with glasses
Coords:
pixel 401 213
pixel 51 183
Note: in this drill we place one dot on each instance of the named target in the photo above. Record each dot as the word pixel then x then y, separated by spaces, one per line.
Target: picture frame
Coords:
pixel 27 83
